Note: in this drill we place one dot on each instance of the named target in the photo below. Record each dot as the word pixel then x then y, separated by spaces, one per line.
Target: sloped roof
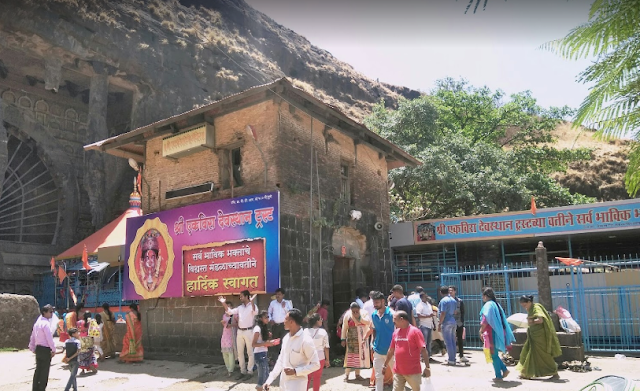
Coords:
pixel 126 145
pixel 112 234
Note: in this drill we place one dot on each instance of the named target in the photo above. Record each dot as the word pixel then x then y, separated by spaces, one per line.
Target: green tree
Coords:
pixel 481 153
pixel 612 37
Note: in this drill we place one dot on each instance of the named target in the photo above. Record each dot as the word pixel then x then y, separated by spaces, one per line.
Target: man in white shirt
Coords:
pixel 368 305
pixel 298 357
pixel 361 296
pixel 425 315
pixel 277 311
pixel 246 313
pixel 414 298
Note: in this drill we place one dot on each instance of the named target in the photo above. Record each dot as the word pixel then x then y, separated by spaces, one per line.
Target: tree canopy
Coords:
pixel 481 153
pixel 612 36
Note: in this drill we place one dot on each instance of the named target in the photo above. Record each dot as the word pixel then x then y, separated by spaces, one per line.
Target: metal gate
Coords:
pixel 603 299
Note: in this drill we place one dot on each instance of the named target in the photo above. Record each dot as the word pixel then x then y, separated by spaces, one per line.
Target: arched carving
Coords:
pixel 71 114
pixel 9 97
pixel 62 171
pixel 25 102
pixel 29 201
pixel 42 106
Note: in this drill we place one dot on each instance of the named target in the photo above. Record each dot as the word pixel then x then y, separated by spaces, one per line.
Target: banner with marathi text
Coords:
pixel 218 247
pixel 614 215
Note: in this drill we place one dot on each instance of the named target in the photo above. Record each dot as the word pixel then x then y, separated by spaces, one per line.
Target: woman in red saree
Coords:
pixel 132 343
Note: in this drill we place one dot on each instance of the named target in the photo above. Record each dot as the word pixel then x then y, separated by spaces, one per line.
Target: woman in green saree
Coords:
pixel 536 359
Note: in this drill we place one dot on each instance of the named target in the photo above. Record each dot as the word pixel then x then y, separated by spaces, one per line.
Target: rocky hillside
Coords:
pixel 191 52
pixel 603 176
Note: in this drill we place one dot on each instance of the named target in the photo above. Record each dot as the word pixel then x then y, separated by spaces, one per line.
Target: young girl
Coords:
pixel 72 349
pixel 97 337
pixel 228 339
pixel 86 358
pixel 261 344
pixel 321 342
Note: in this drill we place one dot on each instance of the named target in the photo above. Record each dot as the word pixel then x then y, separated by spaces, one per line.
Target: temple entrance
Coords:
pixel 342 292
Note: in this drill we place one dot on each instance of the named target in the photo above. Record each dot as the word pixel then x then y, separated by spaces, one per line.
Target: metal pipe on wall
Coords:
pixel 320 234
pixel 310 210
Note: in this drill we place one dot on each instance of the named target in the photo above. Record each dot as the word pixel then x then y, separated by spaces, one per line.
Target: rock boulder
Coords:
pixel 18 313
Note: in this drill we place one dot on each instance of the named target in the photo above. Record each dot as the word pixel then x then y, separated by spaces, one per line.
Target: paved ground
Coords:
pixel 17 371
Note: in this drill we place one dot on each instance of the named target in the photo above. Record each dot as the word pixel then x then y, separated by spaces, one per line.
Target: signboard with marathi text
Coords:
pixel 218 247
pixel 224 268
pixel 616 215
pixel 187 142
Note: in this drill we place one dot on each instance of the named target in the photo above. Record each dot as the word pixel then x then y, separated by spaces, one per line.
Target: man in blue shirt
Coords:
pixel 402 304
pixel 447 309
pixel 383 327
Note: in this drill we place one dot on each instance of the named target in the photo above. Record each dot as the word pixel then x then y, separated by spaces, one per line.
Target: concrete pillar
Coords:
pixel 544 283
pixel 52 73
pixel 94 168
pixel 4 152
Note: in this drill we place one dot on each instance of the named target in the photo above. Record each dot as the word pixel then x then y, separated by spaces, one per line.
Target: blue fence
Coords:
pixel 46 291
pixel 603 298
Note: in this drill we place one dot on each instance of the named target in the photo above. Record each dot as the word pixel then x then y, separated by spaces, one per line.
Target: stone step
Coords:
pixel 565 339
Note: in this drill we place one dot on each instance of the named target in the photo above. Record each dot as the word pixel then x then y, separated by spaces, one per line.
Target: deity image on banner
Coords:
pixel 426 232
pixel 151 259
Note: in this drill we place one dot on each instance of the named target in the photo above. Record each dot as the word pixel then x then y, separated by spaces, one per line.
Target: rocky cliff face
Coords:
pixel 177 55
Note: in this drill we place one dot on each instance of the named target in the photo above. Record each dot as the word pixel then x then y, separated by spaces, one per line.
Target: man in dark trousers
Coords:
pixel 42 345
pixel 459 317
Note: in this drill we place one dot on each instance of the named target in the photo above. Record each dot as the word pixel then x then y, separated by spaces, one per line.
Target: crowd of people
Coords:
pixel 88 339
pixel 393 335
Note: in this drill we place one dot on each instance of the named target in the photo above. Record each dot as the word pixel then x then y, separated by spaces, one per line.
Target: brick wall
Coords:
pixel 193 324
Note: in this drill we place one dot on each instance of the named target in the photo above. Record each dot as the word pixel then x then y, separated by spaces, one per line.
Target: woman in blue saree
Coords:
pixel 495 331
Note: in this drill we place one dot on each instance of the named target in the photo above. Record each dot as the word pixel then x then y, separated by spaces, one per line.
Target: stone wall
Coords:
pixel 309 246
pixel 18 313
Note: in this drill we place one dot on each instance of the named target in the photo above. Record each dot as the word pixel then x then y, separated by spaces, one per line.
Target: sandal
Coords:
pixel 345 379
pixel 359 378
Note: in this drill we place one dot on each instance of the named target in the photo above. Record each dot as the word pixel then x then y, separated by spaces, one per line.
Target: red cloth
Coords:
pixel 324 314
pixel 315 377
pixel 408 344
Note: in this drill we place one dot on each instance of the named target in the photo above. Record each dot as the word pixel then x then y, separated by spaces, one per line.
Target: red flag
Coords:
pixel 61 274
pixel 53 264
pixel 85 259
pixel 73 296
pixel 534 209
pixel 570 261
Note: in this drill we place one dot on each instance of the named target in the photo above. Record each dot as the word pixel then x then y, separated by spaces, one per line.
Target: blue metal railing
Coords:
pixel 45 289
pixel 603 299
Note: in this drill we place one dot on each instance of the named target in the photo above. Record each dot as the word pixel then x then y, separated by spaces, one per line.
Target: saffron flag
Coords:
pixel 53 264
pixel 570 261
pixel 73 296
pixel 61 274
pixel 534 209
pixel 85 259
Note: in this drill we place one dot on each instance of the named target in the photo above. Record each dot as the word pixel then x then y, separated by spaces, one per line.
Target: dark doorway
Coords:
pixel 342 292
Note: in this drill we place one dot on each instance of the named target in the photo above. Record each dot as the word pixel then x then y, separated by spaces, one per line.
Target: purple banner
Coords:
pixel 156 244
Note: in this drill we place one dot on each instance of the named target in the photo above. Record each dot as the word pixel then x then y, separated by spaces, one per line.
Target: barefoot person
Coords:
pixel 245 312
pixel 536 359
pixel 495 331
pixel 407 345
pixel 298 357
pixel 356 329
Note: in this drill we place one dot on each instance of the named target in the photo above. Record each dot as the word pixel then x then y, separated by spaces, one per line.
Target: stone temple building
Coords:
pixel 331 176
pixel 73 73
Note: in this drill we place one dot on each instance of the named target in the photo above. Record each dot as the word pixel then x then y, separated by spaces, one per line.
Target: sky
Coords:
pixel 413 43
